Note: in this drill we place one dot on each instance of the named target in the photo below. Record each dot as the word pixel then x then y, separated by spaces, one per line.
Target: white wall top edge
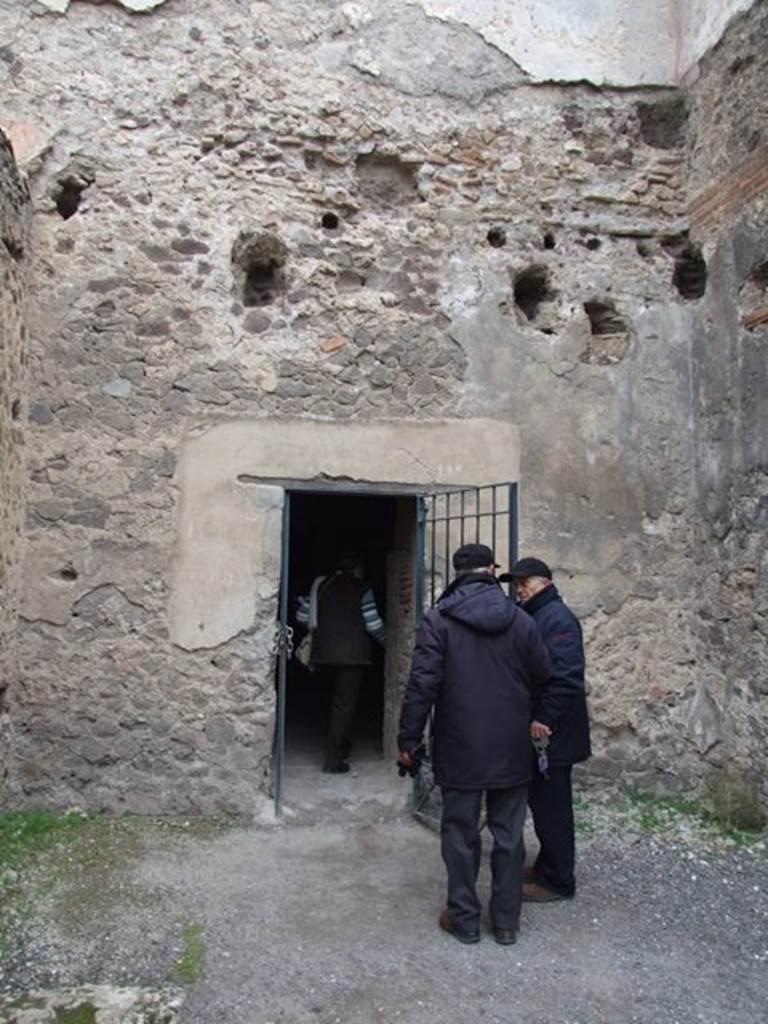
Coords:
pixel 607 42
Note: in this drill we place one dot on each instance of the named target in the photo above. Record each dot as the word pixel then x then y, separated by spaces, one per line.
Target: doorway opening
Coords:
pixel 382 528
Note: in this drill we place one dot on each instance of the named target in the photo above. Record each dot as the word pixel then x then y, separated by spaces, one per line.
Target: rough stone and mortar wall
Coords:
pixel 260 210
pixel 728 168
pixel 14 259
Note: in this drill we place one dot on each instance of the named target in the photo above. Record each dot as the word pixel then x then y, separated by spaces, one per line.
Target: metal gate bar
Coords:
pixel 485 514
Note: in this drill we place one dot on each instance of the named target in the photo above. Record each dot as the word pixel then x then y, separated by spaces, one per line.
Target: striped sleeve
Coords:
pixel 302 610
pixel 371 617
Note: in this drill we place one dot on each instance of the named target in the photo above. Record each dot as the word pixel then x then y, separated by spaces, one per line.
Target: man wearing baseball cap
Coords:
pixel 478 660
pixel 560 714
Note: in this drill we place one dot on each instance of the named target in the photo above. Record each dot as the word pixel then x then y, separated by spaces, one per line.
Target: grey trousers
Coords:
pixel 461 848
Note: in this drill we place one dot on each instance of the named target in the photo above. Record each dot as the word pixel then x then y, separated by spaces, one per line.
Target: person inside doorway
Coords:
pixel 348 622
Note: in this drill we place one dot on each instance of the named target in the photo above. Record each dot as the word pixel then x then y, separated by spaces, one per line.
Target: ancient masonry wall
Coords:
pixel 728 173
pixel 14 259
pixel 265 210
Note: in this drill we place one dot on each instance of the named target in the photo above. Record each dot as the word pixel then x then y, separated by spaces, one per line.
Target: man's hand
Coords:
pixel 538 731
pixel 405 759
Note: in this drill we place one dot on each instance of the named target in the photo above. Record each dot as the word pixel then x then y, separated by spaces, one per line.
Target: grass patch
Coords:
pixel 24 834
pixel 662 813
pixel 189 967
pixel 582 822
pixel 85 1013
pixel 735 801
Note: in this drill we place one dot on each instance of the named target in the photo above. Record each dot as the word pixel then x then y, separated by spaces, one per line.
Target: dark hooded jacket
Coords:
pixel 478 659
pixel 562 703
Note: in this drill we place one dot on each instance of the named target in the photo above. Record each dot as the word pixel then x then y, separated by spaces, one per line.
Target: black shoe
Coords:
pixel 448 926
pixel 336 769
pixel 505 936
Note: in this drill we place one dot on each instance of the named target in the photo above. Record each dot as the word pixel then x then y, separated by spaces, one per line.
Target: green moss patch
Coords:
pixel 189 967
pixel 85 1013
pixel 24 834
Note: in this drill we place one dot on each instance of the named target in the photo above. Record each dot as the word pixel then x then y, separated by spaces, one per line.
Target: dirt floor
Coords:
pixel 330 917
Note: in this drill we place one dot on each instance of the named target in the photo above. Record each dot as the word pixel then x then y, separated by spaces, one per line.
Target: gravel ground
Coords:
pixel 336 923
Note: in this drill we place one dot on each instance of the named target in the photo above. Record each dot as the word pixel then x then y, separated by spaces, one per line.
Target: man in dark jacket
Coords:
pixel 478 659
pixel 559 713
pixel 347 621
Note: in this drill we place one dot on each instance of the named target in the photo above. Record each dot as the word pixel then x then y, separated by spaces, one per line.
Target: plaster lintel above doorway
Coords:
pixel 227 559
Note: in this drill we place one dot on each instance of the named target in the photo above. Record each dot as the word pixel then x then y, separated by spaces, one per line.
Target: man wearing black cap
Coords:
pixel 560 714
pixel 478 659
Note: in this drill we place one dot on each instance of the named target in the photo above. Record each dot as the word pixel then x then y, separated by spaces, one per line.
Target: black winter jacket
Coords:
pixel 478 659
pixel 562 703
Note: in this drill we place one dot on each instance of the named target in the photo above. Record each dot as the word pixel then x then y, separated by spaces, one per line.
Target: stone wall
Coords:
pixel 14 258
pixel 275 211
pixel 728 168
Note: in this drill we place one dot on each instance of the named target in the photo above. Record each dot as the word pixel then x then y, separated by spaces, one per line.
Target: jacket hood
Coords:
pixel 478 601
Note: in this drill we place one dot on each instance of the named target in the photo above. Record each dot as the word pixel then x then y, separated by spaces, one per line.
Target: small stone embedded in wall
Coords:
pixel 117 388
pixel 333 343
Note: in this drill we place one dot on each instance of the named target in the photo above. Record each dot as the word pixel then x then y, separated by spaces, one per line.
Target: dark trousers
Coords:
pixel 344 682
pixel 461 847
pixel 551 804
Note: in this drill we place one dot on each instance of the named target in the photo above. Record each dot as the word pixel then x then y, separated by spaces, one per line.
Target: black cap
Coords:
pixel 473 556
pixel 527 567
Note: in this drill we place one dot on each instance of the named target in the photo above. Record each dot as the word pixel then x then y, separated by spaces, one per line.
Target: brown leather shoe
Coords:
pixel 529 873
pixel 535 893
pixel 448 926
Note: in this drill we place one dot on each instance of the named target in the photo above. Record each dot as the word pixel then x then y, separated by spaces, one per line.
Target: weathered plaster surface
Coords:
pixel 61 6
pixel 14 265
pixel 229 548
pixel 727 152
pixel 701 25
pixel 619 42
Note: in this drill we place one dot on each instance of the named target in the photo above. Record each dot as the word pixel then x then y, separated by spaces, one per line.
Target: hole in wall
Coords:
pixel 603 317
pixel 13 247
pixel 531 289
pixel 68 572
pixel 258 263
pixel 690 274
pixel 663 121
pixel 15 408
pixel 350 281
pixel 753 295
pixel 609 333
pixel 759 275
pixel 68 195
pixel 260 285
pixel 330 221
pixel 644 249
pixel 549 240
pixel 593 244
pixel 496 237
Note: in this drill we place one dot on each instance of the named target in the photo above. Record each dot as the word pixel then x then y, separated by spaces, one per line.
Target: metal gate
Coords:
pixel 446 519
pixel 466 515
pixel 283 649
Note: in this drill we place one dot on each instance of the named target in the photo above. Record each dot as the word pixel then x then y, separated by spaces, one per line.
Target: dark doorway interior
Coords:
pixel 322 526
